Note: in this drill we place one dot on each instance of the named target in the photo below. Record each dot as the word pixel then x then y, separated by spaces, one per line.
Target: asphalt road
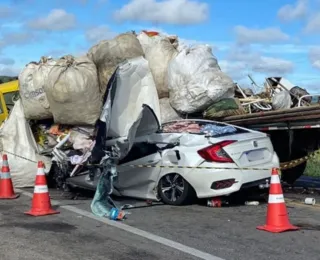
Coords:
pixel 154 232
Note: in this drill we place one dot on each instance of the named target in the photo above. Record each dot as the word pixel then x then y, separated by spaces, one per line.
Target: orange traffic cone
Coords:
pixel 41 204
pixel 277 215
pixel 6 186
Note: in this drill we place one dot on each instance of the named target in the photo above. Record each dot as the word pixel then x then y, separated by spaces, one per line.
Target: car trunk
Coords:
pixel 249 149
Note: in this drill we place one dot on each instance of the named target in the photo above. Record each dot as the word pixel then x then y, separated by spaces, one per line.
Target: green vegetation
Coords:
pixel 313 167
pixel 5 79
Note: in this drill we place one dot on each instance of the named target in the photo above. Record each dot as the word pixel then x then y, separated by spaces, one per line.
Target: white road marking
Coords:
pixel 167 242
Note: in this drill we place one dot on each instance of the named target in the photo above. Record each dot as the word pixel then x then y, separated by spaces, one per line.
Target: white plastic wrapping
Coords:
pixel 281 100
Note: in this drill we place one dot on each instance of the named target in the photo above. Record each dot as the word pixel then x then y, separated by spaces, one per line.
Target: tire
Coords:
pixel 291 175
pixel 175 190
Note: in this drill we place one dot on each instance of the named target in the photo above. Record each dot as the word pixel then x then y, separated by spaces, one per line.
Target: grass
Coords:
pixel 313 167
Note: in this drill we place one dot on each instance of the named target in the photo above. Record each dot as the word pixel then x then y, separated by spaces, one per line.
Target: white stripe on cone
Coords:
pixel 41 189
pixel 5 163
pixel 276 198
pixel 40 171
pixel 275 179
pixel 5 175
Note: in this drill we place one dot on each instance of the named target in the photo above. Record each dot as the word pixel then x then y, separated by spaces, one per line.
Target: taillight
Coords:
pixel 215 153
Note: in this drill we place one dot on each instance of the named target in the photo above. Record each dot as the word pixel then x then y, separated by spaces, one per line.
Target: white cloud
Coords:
pixel 291 12
pixel 6 61
pixel 19 38
pixel 235 69
pixel 179 12
pixel 313 87
pixel 9 71
pixel 313 25
pixel 56 20
pixel 314 56
pixel 241 61
pixel 246 35
pixel 271 65
pixel 99 33
pixel 284 48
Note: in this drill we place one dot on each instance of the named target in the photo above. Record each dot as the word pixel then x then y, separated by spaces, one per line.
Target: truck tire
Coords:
pixel 291 175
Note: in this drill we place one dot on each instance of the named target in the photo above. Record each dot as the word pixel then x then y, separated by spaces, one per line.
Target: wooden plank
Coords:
pixel 276 119
pixel 269 113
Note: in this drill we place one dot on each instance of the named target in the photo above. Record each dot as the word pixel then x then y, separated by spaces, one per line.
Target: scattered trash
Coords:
pixel 310 201
pixel 217 202
pixel 252 203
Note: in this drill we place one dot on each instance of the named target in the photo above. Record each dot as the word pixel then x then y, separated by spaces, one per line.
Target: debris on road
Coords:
pixel 252 203
pixel 310 201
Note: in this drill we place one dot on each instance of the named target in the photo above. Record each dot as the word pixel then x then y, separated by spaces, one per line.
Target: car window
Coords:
pixel 140 150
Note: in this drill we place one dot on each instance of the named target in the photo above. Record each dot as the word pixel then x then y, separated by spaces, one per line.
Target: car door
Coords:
pixel 139 182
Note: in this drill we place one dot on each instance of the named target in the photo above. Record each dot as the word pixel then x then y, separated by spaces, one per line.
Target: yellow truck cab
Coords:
pixel 9 93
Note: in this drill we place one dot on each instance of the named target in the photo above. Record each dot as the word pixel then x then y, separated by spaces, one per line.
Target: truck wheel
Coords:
pixel 291 175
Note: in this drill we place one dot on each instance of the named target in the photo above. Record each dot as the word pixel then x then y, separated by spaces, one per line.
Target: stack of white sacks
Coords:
pixel 70 89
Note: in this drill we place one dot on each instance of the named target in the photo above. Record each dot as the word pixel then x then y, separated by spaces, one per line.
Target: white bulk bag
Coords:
pixel 108 54
pixel 159 54
pixel 196 81
pixel 167 112
pixel 73 91
pixel 18 143
pixel 32 93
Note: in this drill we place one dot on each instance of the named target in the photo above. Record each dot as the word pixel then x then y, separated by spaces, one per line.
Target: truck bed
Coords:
pixel 294 118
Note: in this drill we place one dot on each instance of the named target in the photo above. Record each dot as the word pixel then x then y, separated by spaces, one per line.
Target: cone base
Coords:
pixel 10 197
pixel 39 213
pixel 275 229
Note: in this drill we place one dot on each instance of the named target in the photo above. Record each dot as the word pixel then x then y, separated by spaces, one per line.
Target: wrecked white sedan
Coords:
pixel 190 158
pixel 174 161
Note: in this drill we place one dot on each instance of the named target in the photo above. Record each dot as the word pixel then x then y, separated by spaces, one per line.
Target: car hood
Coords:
pixel 128 114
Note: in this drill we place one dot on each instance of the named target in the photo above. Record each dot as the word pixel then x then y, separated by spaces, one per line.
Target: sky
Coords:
pixel 261 38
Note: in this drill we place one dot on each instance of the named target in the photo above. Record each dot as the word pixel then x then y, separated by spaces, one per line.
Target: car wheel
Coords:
pixel 175 190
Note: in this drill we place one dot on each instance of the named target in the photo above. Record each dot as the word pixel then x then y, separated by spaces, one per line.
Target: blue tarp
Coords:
pixel 215 130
